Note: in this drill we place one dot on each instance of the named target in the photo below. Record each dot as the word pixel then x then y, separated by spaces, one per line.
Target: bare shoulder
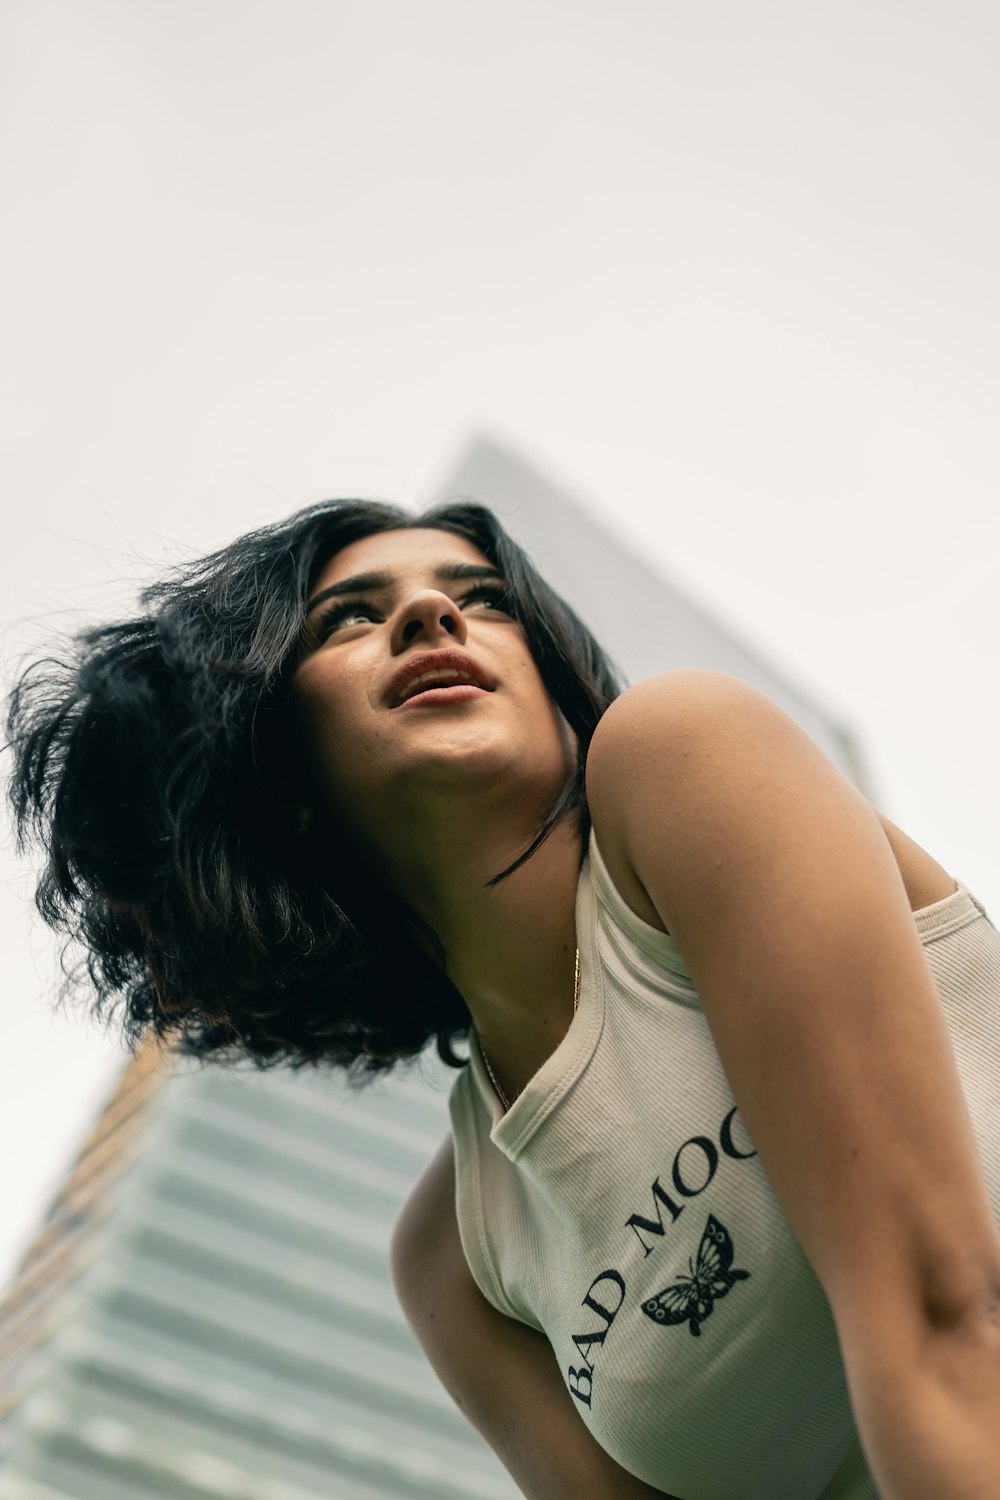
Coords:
pixel 423 1222
pixel 672 739
pixel 673 711
pixel 678 704
pixel 433 1189
pixel 712 719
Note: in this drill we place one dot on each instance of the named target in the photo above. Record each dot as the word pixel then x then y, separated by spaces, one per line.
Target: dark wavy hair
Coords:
pixel 149 765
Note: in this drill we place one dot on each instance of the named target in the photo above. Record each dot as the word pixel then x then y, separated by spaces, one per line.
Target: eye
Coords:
pixel 336 614
pixel 496 594
pixel 346 612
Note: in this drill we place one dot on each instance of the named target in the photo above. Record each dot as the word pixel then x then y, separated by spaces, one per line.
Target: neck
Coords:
pixel 511 948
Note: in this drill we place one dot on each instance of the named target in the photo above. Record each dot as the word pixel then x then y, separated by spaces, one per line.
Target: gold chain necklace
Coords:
pixel 482 1051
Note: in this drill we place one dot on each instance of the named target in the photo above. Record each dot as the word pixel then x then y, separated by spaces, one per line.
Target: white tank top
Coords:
pixel 618 1207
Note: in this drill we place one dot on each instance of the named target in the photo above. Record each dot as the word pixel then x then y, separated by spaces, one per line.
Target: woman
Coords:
pixel 718 1213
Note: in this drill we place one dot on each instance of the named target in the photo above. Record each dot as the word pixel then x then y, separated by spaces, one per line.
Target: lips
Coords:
pixel 437 669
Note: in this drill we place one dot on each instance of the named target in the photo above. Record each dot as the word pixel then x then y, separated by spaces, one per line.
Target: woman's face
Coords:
pixel 370 738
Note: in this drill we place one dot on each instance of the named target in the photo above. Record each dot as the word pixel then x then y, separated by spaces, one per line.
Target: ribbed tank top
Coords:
pixel 619 1208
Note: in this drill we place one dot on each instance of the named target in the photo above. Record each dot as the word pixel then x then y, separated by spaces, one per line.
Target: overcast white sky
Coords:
pixel 727 270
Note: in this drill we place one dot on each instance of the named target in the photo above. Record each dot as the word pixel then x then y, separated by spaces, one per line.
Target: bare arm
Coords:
pixel 502 1375
pixel 775 879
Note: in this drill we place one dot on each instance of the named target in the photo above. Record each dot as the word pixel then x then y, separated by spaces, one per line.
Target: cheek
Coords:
pixel 324 693
pixel 335 682
pixel 323 728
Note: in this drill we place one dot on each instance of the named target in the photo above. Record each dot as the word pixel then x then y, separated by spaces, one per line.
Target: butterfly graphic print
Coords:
pixel 690 1299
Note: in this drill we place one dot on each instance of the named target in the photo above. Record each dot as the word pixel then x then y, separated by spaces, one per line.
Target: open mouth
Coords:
pixel 438 671
pixel 441 693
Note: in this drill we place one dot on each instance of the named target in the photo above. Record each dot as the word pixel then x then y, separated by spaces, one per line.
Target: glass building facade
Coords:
pixel 207 1309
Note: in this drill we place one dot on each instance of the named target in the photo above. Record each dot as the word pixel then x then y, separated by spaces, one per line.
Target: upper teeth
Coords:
pixel 440 674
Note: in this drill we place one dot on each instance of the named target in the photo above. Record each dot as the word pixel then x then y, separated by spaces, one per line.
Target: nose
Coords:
pixel 428 613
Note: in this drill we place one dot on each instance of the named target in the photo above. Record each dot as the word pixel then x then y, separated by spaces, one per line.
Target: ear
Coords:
pixel 299 815
pixel 301 818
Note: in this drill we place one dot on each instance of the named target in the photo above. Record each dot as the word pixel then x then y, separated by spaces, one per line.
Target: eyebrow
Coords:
pixel 371 582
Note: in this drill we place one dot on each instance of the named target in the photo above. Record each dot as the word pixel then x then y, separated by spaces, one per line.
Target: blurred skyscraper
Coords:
pixel 645 622
pixel 207 1311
